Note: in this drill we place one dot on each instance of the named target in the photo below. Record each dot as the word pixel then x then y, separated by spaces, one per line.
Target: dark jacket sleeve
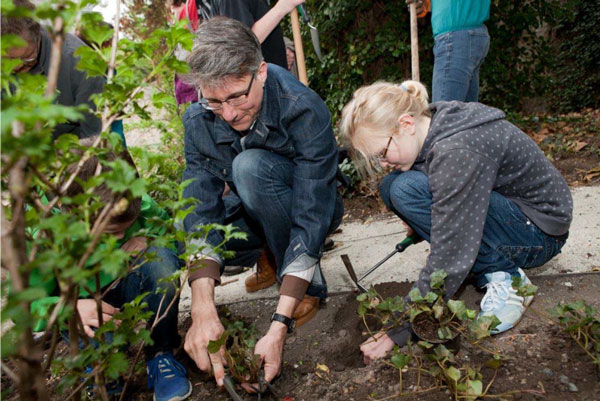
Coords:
pixel 205 188
pixel 314 190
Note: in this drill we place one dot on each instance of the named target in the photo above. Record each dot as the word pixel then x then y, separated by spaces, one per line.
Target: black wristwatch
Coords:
pixel 288 321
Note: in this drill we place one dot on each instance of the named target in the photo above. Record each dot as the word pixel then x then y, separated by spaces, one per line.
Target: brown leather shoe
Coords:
pixel 306 310
pixel 265 272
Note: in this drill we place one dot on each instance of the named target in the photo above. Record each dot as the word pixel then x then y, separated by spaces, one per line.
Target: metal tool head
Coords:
pixel 314 33
pixel 314 36
pixel 230 387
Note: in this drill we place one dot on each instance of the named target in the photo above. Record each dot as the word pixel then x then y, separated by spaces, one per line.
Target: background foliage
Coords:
pixel 543 53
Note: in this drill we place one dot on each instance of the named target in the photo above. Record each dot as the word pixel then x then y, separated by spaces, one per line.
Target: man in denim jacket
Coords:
pixel 269 138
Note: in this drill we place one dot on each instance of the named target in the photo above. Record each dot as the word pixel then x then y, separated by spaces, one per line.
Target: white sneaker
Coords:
pixel 501 300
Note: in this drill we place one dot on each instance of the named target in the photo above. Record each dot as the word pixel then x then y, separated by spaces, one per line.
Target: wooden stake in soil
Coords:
pixel 298 46
pixel 414 42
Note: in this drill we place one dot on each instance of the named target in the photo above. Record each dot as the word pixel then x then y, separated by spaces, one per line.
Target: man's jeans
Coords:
pixel 458 57
pixel 161 263
pixel 263 180
pixel 510 240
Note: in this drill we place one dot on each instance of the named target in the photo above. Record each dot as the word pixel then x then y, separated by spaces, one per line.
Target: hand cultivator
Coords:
pixel 400 247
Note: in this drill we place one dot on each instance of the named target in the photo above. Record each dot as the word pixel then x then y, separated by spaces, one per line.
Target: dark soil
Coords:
pixel 542 362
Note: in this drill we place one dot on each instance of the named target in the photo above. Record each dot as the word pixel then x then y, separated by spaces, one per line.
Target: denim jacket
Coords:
pixel 293 122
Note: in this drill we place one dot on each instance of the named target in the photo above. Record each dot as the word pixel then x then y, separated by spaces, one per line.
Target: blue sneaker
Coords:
pixel 168 378
pixel 501 300
pixel 114 388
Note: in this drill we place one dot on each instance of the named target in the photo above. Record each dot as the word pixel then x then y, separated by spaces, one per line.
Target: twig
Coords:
pixel 52 349
pixel 9 372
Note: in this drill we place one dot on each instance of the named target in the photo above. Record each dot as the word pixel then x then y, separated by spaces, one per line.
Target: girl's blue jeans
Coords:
pixel 510 240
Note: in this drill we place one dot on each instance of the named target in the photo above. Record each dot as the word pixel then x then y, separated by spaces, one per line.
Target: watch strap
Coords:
pixel 288 321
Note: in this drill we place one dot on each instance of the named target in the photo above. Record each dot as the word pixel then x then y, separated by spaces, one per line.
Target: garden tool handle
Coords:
pixel 304 14
pixel 414 42
pixel 300 62
pixel 408 241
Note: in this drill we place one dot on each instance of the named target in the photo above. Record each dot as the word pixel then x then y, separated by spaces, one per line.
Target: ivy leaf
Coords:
pixel 400 360
pixel 474 388
pixel 453 374
pixel 436 280
pixel 415 295
pixel 431 297
pixel 458 308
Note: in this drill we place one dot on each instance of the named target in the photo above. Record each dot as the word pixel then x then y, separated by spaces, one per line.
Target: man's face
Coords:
pixel 242 116
pixel 28 56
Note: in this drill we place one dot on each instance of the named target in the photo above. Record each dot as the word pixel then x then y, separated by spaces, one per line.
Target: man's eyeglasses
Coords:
pixel 233 100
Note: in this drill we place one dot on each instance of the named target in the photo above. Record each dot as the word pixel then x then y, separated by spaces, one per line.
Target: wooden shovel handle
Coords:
pixel 414 42
pixel 300 62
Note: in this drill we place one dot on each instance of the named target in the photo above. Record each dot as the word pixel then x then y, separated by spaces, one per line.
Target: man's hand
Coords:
pixel 89 314
pixel 376 347
pixel 270 349
pixel 206 326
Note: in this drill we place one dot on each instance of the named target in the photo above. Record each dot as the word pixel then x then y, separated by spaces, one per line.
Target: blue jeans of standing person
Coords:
pixel 458 56
pixel 264 180
pixel 510 240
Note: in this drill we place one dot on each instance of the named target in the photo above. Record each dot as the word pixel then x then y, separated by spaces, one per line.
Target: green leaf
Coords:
pixel 444 333
pixel 431 297
pixel 436 280
pixel 117 365
pixel 474 387
pixel 493 363
pixel 453 373
pixel 214 346
pixel 415 295
pixel 458 308
pixel 400 360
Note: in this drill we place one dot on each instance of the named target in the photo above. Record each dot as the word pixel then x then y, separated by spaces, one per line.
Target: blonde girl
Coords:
pixel 473 185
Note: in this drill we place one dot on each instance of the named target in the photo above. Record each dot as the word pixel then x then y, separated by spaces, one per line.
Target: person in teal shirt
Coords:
pixel 461 42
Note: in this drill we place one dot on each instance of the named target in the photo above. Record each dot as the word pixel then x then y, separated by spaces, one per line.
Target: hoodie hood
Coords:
pixel 450 118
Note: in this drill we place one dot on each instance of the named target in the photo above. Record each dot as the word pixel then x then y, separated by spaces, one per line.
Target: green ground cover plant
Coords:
pixel 439 325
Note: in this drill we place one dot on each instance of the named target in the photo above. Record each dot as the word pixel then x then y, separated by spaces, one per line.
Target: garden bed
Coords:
pixel 323 361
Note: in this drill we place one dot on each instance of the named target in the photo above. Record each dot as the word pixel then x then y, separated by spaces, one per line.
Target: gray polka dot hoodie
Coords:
pixel 470 151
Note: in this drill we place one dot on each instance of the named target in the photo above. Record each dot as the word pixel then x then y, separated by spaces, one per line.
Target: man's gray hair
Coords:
pixel 224 48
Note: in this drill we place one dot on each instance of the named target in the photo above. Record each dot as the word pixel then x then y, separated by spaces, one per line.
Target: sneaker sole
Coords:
pixel 232 272
pixel 179 397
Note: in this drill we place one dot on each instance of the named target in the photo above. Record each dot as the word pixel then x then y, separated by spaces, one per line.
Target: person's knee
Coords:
pixel 384 188
pixel 408 189
pixel 162 264
pixel 247 166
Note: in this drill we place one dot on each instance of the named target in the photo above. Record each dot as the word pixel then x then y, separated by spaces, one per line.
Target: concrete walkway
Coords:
pixel 368 242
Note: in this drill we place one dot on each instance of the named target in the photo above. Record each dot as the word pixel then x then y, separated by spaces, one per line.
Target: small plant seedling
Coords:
pixel 582 322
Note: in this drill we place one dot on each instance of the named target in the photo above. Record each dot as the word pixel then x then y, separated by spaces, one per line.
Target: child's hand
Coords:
pixel 89 314
pixel 409 231
pixel 135 245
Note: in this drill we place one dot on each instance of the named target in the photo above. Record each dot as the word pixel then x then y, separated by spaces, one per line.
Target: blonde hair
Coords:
pixel 373 111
